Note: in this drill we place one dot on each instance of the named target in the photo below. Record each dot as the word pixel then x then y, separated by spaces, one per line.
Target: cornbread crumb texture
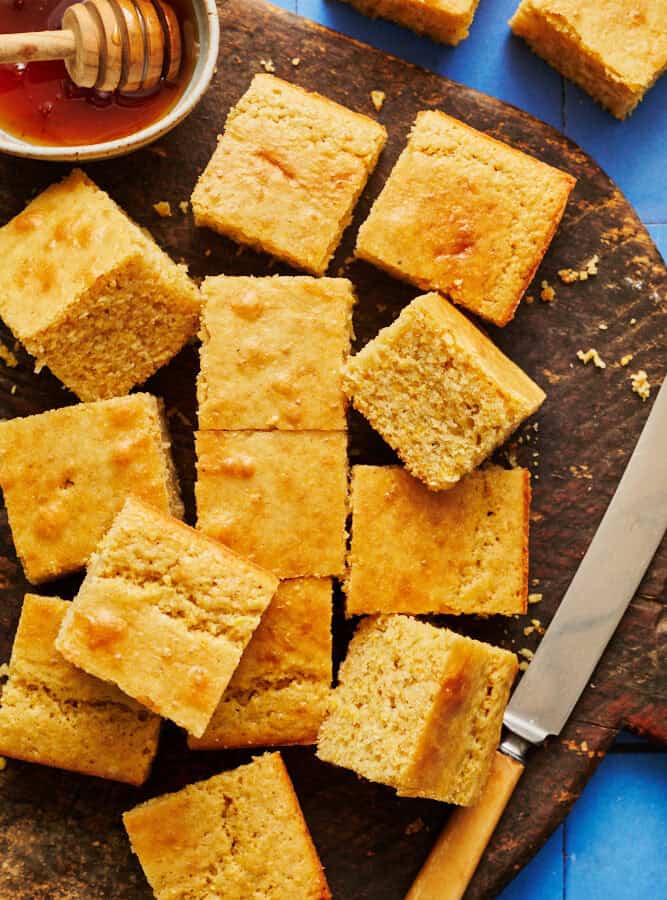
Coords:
pixel 614 49
pixel 56 715
pixel 272 353
pixel 164 613
pixel 287 172
pixel 105 307
pixel 67 472
pixel 418 551
pixel 418 708
pixel 278 498
pixel 447 21
pixel 237 835
pixel 279 693
pixel 465 214
pixel 439 391
pixel 640 384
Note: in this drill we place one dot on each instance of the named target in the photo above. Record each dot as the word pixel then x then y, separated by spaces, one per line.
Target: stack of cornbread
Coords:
pixel 226 628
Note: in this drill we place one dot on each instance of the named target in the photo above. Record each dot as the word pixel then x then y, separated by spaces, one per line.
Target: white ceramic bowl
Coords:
pixel 207 25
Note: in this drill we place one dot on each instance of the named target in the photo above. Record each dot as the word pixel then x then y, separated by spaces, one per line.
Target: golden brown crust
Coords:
pixel 66 473
pixel 238 834
pixel 278 498
pixel 417 551
pixel 287 172
pixel 431 227
pixel 278 693
pixel 447 21
pixel 165 613
pixel 272 352
pixel 56 715
pixel 105 307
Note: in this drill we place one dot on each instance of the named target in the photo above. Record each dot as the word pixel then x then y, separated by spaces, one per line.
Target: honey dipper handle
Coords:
pixel 452 862
pixel 36 46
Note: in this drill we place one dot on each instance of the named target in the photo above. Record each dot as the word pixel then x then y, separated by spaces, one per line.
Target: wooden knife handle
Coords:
pixel 452 862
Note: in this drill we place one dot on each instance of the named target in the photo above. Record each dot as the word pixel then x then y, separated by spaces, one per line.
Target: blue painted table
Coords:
pixel 612 845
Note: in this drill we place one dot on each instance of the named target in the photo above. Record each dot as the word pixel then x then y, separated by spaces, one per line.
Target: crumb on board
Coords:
pixel 529 299
pixel 627 359
pixel 7 356
pixel 268 65
pixel 13 389
pixel 523 665
pixel 527 653
pixel 593 356
pixel 296 61
pixel 377 99
pixel 528 630
pixel 535 598
pixel 163 209
pixel 588 270
pixel 640 384
pixel 184 206
pixel 414 827
pixel 208 251
pixel 633 321
pixel 547 293
pixel 580 472
pixel 603 326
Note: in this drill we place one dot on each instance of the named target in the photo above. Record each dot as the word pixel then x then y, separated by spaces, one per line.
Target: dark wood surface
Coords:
pixel 61 834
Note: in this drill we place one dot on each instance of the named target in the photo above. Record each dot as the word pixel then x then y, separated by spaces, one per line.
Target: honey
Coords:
pixel 39 102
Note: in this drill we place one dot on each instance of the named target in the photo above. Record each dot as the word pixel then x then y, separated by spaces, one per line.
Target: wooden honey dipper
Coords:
pixel 126 45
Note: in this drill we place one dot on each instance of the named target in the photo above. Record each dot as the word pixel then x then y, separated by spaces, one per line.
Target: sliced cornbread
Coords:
pixel 614 49
pixel 278 498
pixel 465 214
pixel 105 307
pixel 418 551
pixel 67 472
pixel 439 391
pixel 56 715
pixel 418 708
pixel 272 353
pixel 287 172
pixel 237 835
pixel 165 613
pixel 447 21
pixel 279 692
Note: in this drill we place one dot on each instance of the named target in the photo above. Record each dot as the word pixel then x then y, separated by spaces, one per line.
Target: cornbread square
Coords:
pixel 418 551
pixel 447 21
pixel 278 498
pixel 465 214
pixel 439 391
pixel 164 613
pixel 272 353
pixel 104 307
pixel 66 473
pixel 288 172
pixel 418 708
pixel 237 835
pixel 279 692
pixel 614 49
pixel 56 715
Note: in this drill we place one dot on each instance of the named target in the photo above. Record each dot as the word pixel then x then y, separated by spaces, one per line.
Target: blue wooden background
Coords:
pixel 613 845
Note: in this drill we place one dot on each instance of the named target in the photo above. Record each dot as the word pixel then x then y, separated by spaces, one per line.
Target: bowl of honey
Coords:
pixel 45 114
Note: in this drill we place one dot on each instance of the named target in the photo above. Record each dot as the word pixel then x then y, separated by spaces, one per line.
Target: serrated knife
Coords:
pixel 603 586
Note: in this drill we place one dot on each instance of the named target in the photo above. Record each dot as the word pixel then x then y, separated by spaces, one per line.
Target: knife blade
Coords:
pixel 593 605
pixel 603 586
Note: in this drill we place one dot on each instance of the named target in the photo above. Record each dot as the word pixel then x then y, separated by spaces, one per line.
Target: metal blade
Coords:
pixel 601 590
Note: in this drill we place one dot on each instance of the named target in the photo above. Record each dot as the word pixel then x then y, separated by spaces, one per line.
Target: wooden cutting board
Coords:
pixel 61 834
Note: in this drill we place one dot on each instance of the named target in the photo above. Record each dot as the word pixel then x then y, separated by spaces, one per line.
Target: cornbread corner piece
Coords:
pixel 105 307
pixel 164 613
pixel 66 473
pixel 56 715
pixel 278 498
pixel 418 708
pixel 240 834
pixel 447 21
pixel 272 353
pixel 418 551
pixel 287 172
pixel 614 49
pixel 279 693
pixel 465 214
pixel 439 391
